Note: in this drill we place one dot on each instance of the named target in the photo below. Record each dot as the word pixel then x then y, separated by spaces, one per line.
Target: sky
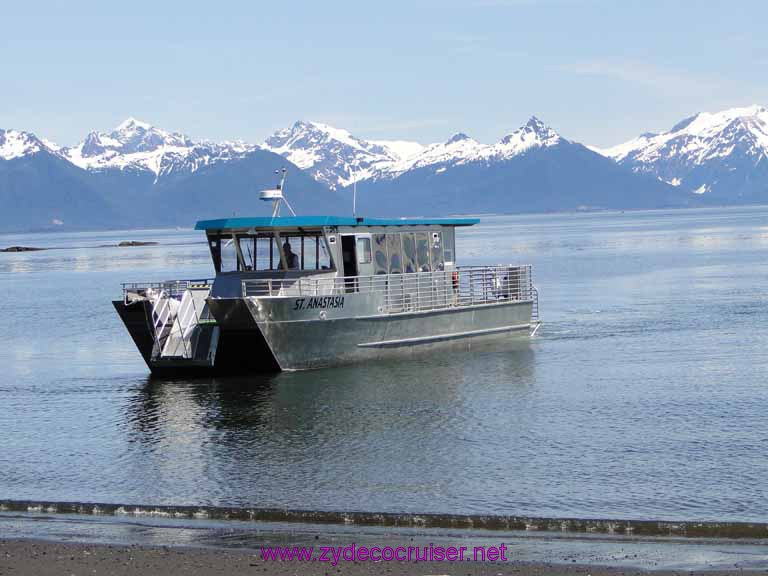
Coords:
pixel 598 72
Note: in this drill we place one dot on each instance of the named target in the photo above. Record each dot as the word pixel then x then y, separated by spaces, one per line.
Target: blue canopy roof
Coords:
pixel 318 221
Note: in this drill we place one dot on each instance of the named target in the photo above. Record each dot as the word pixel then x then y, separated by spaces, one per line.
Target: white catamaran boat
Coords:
pixel 306 292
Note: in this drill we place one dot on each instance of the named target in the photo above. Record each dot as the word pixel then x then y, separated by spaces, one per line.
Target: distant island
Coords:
pixel 21 249
pixel 136 243
pixel 123 244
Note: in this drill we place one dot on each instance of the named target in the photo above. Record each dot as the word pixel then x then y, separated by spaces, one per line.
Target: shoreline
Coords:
pixel 35 557
pixel 427 520
pixel 209 542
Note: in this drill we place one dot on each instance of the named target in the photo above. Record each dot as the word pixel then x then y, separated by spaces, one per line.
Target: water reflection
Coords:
pixel 345 398
pixel 331 437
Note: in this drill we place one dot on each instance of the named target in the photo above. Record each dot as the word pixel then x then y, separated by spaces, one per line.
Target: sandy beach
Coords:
pixel 44 558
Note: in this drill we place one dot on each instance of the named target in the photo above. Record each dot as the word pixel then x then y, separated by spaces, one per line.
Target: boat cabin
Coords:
pixel 294 247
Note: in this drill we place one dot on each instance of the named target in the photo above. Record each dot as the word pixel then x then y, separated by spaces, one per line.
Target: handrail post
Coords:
pixel 418 292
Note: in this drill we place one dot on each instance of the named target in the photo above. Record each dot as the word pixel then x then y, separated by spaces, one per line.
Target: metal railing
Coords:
pixel 173 288
pixel 173 314
pixel 463 286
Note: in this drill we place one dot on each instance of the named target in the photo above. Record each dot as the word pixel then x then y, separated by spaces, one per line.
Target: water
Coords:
pixel 643 395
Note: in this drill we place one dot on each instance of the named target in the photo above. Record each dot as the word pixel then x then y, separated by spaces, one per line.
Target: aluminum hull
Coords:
pixel 313 342
pixel 243 323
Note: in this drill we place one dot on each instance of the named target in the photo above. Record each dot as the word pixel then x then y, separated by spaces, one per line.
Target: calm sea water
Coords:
pixel 644 395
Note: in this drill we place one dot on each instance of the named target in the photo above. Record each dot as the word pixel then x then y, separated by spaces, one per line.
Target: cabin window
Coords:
pixel 292 252
pixel 267 255
pixel 323 254
pixel 380 261
pixel 437 251
pixel 422 251
pixel 448 245
pixel 363 250
pixel 395 254
pixel 248 250
pixel 312 251
pixel 229 261
pixel 260 252
pixel 409 252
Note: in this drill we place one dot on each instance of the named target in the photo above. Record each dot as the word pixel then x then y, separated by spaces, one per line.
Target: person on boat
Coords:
pixel 291 259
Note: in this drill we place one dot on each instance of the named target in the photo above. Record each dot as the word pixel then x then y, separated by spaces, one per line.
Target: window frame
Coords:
pixel 449 244
pixel 378 269
pixel 270 241
pixel 365 239
pixel 397 244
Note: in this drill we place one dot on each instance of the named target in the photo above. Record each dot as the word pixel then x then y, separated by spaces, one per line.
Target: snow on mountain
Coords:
pixel 334 156
pixel 535 134
pixel 461 149
pixel 401 149
pixel 136 145
pixel 532 169
pixel 458 149
pixel 15 144
pixel 722 152
pixel 337 158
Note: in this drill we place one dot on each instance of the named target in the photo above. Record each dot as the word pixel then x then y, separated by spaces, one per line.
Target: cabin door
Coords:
pixel 364 255
pixel 349 260
pixel 357 259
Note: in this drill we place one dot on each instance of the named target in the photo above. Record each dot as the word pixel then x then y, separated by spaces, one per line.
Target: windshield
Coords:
pixel 262 251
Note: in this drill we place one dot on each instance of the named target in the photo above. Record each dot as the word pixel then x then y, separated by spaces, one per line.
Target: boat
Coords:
pixel 302 292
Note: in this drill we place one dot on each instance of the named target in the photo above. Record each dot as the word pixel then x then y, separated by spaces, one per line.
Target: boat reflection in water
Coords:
pixel 340 435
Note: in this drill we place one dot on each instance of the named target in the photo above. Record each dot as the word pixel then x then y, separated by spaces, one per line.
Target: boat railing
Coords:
pixel 417 291
pixel 171 288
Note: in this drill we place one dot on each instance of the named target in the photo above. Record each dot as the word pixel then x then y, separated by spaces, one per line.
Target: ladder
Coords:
pixel 174 322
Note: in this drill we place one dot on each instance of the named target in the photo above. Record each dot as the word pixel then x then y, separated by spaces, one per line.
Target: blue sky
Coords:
pixel 599 72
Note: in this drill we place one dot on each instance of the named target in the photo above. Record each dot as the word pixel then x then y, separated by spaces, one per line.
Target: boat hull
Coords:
pixel 325 340
pixel 241 349
pixel 249 340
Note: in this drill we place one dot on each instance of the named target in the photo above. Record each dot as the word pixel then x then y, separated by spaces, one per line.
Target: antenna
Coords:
pixel 276 195
pixel 354 187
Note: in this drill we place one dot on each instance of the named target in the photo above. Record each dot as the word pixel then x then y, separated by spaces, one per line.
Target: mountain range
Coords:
pixel 722 157
pixel 137 176
pixel 140 175
pixel 532 169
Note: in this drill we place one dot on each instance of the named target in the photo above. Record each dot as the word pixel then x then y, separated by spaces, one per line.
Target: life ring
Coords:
pixel 455 279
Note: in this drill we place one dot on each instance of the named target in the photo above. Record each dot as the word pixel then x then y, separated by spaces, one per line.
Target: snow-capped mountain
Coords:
pixel 139 146
pixel 337 158
pixel 723 155
pixel 139 175
pixel 39 189
pixel 461 149
pixel 533 169
pixel 457 149
pixel 333 156
pixel 101 181
pixel 17 144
